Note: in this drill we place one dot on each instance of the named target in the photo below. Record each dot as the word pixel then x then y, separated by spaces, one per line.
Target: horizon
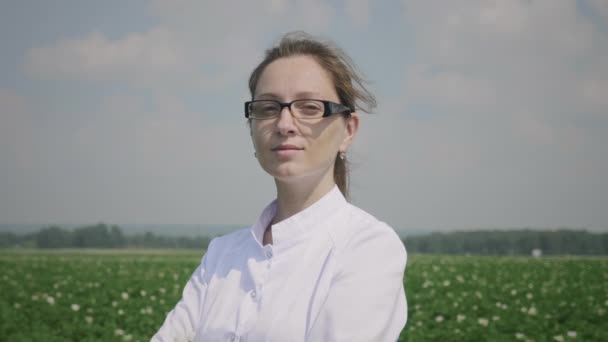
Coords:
pixel 190 230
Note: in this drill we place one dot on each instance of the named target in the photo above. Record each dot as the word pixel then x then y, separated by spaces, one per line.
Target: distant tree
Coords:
pixel 53 237
pixel 93 236
pixel 118 238
pixel 8 239
pixel 512 242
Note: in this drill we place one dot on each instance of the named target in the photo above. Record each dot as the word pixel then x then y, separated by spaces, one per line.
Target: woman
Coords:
pixel 313 267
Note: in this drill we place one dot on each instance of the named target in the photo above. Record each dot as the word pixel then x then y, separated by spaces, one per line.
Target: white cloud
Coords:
pixel 505 57
pixel 134 57
pixel 17 131
pixel 197 44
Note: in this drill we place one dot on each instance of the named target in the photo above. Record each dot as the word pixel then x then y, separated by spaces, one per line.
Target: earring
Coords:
pixel 342 155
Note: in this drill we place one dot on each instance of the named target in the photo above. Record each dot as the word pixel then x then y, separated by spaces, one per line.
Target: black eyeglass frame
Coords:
pixel 330 108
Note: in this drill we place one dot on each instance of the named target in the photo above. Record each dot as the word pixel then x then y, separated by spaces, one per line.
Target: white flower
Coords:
pixel 519 336
pixel 572 333
pixel 50 300
pixel 446 283
pixel 119 332
pixel 601 312
pixel 162 290
pixel 529 295
pixel 460 318
pixel 127 337
pixel 88 319
pixel 532 311
pixel 495 318
pixel 439 319
pixel 75 307
pixel 558 338
pixel 513 292
pixel 152 298
pixel 17 305
pixel 121 312
pixel 124 295
pixel 34 297
pixel 460 279
pixel 483 321
pixel 142 293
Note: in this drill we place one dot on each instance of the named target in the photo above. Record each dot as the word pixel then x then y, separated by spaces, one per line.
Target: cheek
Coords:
pixel 328 142
pixel 259 135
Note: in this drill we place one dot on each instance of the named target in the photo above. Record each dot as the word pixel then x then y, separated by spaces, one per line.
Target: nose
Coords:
pixel 286 122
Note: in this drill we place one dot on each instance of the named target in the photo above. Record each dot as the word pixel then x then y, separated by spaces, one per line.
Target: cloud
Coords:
pixel 500 113
pixel 196 44
pixel 17 131
pixel 95 57
pixel 507 57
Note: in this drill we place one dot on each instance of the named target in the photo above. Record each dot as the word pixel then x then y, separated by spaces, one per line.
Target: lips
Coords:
pixel 286 147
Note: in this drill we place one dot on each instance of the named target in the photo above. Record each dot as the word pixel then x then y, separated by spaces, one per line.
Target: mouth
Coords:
pixel 286 147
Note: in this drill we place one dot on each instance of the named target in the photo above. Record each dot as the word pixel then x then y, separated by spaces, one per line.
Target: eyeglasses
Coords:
pixel 302 109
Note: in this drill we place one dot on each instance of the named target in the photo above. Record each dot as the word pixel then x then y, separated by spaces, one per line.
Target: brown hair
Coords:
pixel 348 82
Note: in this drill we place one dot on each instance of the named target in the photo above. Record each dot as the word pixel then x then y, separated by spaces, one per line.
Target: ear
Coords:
pixel 352 126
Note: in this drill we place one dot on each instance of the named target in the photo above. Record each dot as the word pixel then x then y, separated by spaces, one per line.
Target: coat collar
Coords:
pixel 299 226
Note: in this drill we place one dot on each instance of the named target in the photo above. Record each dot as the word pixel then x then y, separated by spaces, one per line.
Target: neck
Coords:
pixel 295 196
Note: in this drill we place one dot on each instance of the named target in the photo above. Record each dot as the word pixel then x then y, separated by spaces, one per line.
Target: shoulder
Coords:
pixel 223 246
pixel 361 236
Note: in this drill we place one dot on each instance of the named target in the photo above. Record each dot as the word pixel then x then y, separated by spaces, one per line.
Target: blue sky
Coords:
pixel 492 114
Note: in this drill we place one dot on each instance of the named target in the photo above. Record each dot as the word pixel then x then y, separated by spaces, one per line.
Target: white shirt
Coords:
pixel 332 273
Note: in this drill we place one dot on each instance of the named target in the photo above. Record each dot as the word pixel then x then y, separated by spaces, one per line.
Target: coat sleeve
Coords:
pixel 366 300
pixel 181 323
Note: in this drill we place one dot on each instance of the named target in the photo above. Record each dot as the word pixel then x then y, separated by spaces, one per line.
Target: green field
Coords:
pixel 109 296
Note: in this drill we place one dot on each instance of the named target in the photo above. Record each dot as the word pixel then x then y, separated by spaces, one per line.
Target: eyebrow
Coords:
pixel 300 95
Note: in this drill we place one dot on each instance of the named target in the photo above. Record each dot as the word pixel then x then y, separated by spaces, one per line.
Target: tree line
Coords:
pixel 489 242
pixel 511 242
pixel 97 236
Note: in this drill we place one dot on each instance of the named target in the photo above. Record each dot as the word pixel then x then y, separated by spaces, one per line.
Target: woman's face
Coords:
pixel 314 142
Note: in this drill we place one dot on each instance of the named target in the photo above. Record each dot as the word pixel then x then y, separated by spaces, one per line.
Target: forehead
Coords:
pixel 292 77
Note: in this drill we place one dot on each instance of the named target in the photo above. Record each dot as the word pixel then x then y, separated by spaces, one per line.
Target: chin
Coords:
pixel 284 171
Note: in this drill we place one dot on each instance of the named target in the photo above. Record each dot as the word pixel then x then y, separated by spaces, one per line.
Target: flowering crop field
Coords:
pixel 122 295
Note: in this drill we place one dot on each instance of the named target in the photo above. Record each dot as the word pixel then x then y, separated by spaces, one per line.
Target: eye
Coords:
pixel 309 107
pixel 264 108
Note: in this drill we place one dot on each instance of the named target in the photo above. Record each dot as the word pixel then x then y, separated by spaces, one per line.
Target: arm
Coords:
pixel 181 323
pixel 366 300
